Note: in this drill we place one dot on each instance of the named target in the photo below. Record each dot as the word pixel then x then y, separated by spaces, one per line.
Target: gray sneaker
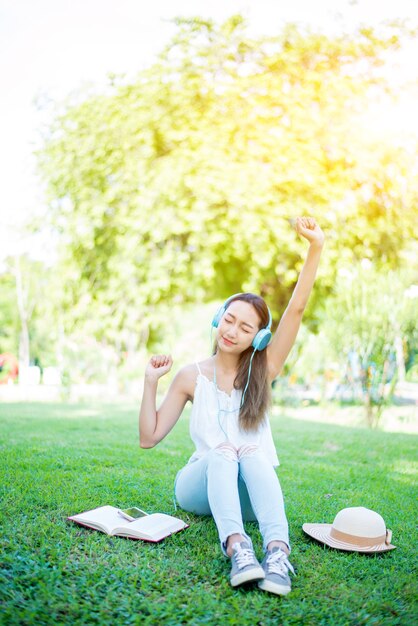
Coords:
pixel 245 567
pixel 276 567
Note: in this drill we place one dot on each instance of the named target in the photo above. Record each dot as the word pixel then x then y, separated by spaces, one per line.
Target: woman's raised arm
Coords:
pixel 287 330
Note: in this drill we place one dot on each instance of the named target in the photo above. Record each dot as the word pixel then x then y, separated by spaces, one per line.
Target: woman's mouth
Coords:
pixel 227 342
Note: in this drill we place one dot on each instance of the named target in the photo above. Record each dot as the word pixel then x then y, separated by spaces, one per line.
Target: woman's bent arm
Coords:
pixel 148 413
pixel 155 424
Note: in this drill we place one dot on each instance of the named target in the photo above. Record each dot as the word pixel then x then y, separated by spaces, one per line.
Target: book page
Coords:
pixel 104 518
pixel 153 527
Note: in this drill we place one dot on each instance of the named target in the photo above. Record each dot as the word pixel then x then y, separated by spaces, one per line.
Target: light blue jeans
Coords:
pixel 234 485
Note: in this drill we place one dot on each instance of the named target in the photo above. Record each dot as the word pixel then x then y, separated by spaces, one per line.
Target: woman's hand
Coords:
pixel 309 229
pixel 158 365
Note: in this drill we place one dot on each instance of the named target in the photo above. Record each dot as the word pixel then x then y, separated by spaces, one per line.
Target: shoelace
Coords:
pixel 278 563
pixel 244 556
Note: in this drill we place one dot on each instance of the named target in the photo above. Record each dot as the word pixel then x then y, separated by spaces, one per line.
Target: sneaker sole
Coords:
pixel 280 590
pixel 250 576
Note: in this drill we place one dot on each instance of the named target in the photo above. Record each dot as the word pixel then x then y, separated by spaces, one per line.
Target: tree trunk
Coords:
pixel 400 360
pixel 24 344
pixel 369 410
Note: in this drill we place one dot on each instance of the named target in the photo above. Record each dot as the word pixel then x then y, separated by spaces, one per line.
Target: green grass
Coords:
pixel 58 460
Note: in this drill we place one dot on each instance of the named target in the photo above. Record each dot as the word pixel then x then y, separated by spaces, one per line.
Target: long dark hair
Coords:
pixel 258 394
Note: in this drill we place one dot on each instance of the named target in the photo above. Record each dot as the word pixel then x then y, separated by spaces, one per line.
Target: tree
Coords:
pixel 9 321
pixel 178 187
pixel 28 320
pixel 371 317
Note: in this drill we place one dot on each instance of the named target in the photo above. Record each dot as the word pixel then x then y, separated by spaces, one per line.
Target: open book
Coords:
pixel 107 519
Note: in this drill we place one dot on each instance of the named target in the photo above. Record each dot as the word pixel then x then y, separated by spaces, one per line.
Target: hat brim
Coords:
pixel 321 532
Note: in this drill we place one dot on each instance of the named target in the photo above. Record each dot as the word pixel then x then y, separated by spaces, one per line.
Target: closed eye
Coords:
pixel 230 320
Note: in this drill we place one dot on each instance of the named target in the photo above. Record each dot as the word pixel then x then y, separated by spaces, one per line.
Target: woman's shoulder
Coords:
pixel 188 374
pixel 186 377
pixel 205 367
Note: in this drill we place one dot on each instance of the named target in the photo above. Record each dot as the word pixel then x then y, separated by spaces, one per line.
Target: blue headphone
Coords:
pixel 262 338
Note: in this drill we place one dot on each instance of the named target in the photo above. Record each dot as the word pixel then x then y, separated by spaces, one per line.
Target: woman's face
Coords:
pixel 238 327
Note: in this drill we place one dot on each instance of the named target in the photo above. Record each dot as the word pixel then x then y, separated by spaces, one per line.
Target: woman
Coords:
pixel 231 475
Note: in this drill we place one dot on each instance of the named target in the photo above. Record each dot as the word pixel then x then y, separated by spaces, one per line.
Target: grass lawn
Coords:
pixel 58 460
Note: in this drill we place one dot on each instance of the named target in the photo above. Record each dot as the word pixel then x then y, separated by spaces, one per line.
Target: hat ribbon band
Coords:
pixel 359 541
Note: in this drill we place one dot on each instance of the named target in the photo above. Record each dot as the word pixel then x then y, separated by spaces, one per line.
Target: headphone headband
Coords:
pixel 261 339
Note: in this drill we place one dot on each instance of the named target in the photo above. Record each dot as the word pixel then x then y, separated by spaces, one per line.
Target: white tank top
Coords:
pixel 207 430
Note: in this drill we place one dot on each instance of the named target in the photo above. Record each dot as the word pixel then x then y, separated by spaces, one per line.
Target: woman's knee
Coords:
pixel 247 450
pixel 251 455
pixel 225 450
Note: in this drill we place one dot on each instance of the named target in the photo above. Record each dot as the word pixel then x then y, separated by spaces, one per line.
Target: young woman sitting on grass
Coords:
pixel 231 474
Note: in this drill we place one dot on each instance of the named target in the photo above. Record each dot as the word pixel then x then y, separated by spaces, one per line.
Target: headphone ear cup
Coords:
pixel 217 316
pixel 262 338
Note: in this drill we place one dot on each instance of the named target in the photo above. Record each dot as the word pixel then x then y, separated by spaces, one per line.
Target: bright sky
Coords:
pixel 49 48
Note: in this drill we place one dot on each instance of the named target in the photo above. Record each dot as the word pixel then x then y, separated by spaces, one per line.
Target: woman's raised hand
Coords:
pixel 308 228
pixel 158 365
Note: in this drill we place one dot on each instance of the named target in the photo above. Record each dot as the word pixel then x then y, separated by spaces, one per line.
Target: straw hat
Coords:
pixel 355 529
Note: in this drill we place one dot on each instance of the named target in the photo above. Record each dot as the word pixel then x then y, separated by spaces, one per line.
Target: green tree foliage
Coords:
pixel 9 318
pixel 374 316
pixel 28 307
pixel 178 187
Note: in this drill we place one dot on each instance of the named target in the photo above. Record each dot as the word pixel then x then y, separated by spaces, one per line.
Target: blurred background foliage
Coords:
pixel 171 192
